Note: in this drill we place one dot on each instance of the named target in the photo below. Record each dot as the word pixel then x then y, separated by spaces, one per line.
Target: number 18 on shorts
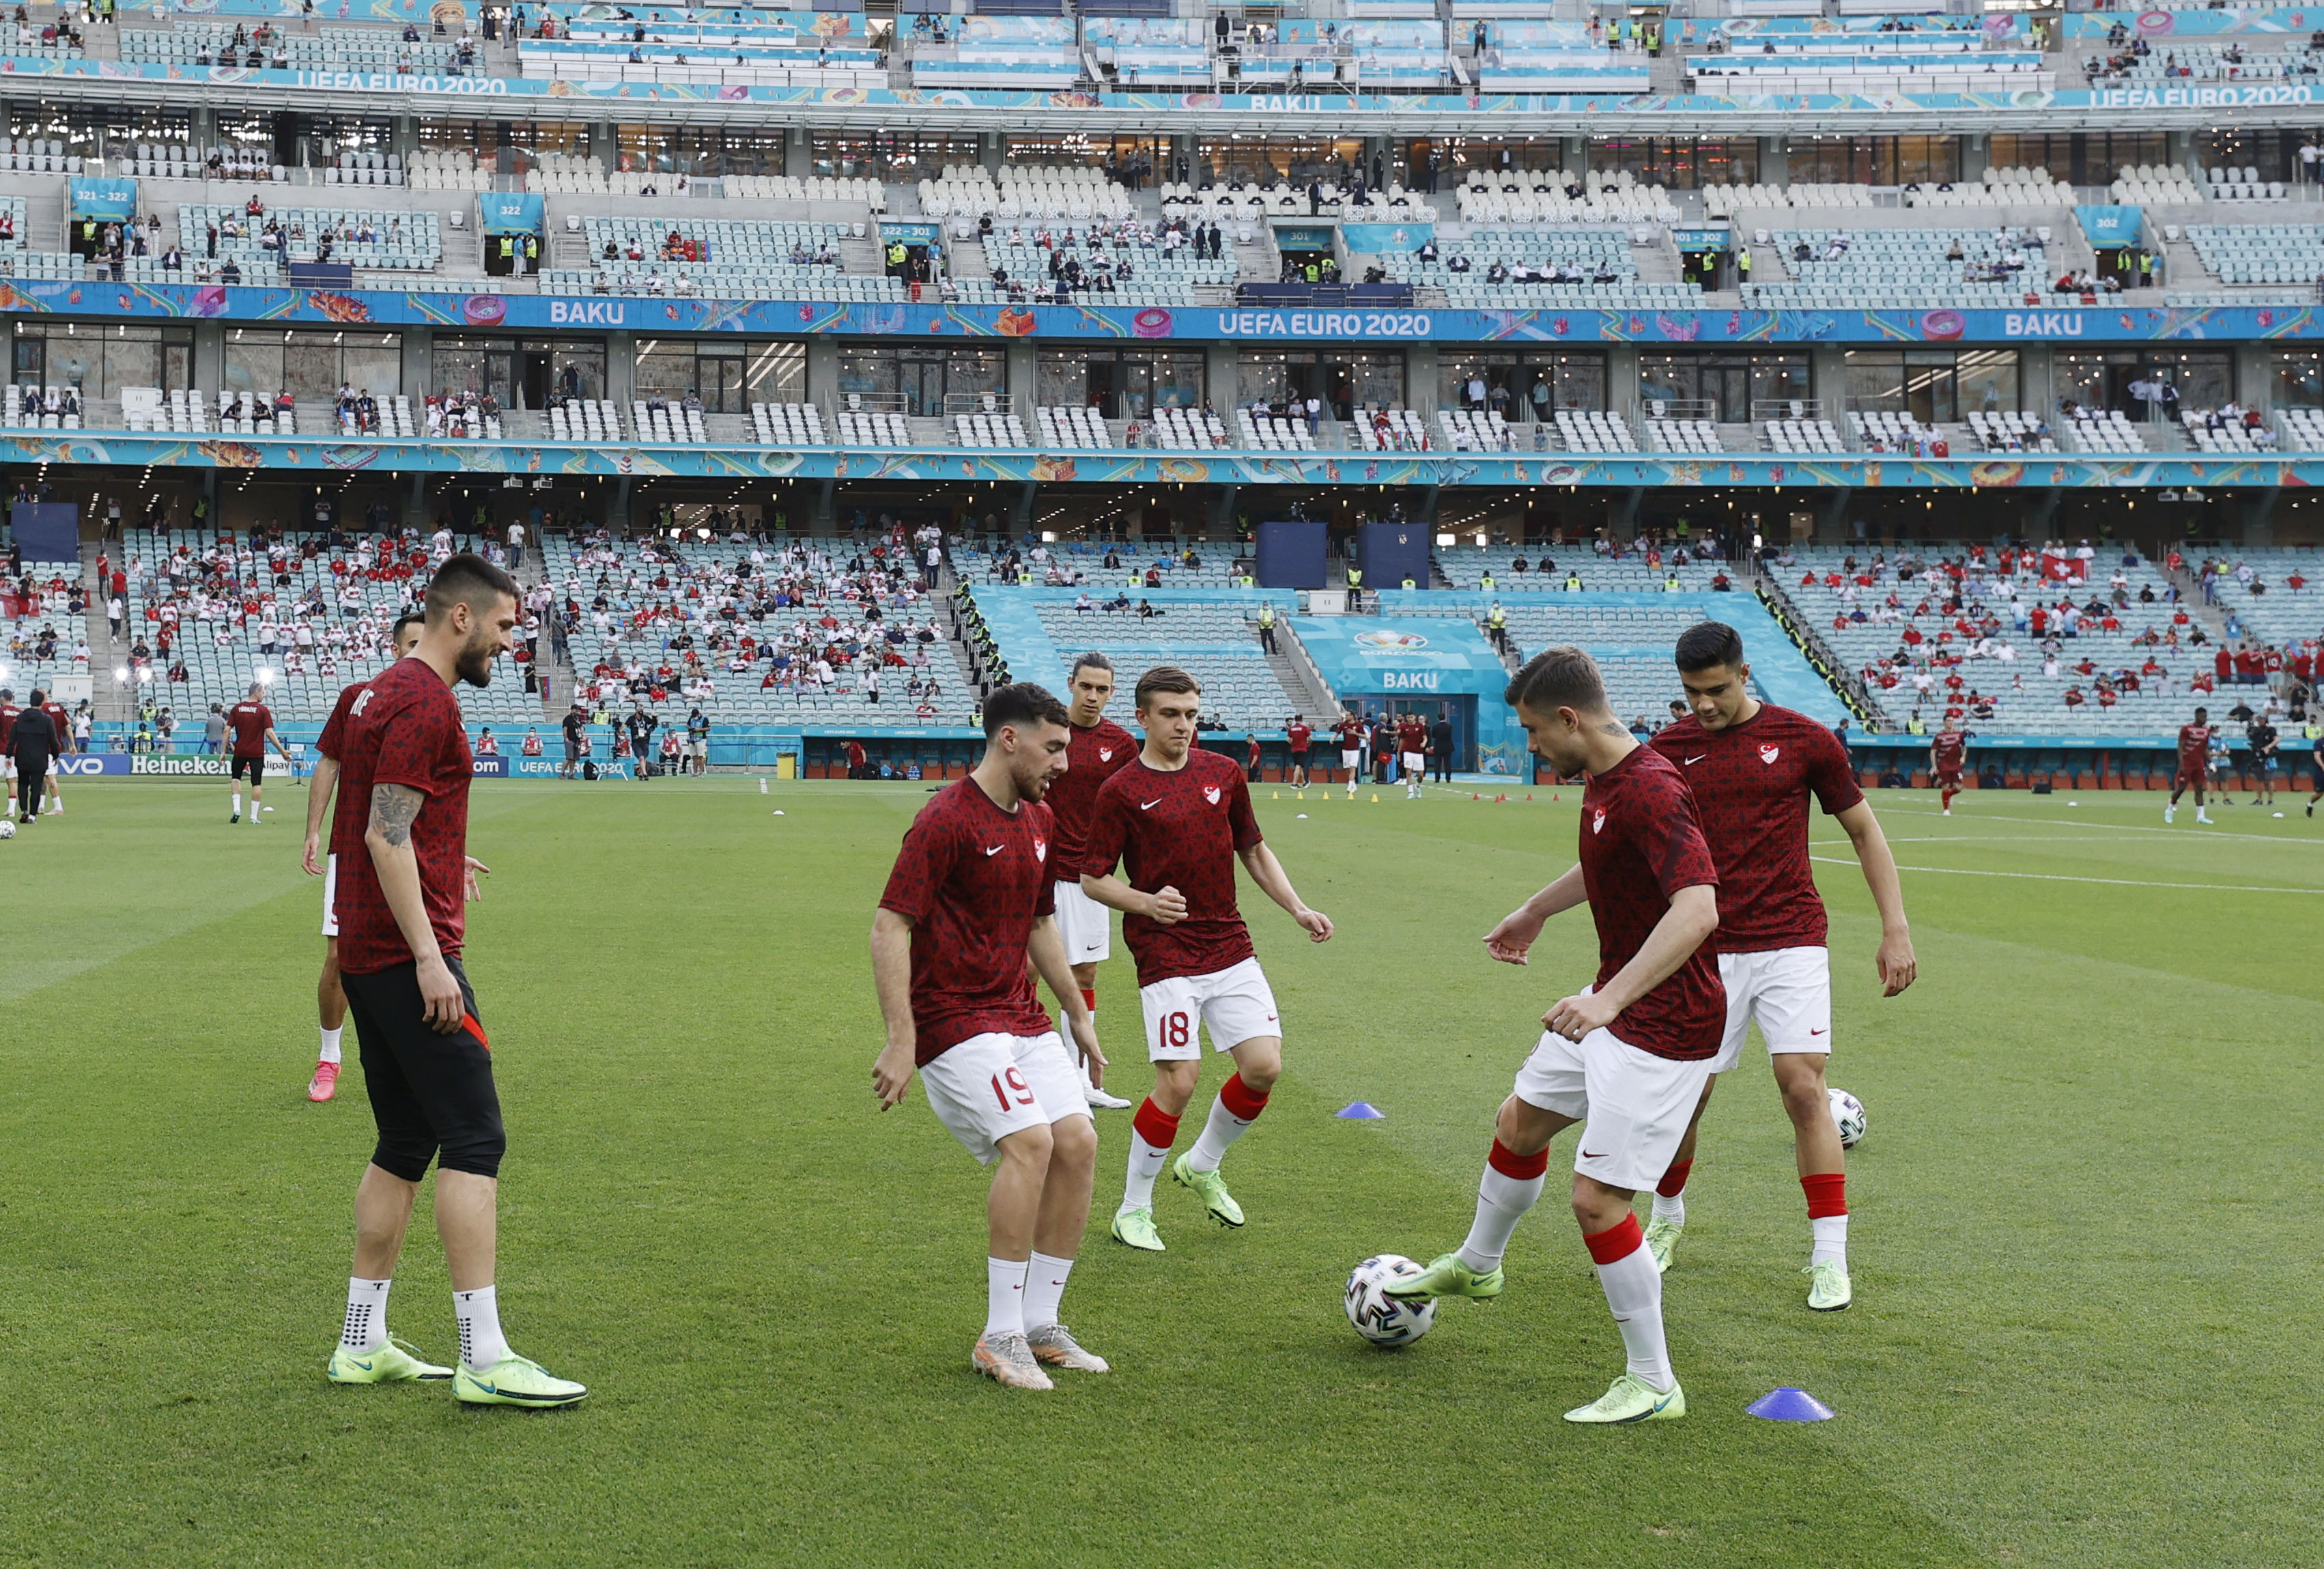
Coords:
pixel 1234 1004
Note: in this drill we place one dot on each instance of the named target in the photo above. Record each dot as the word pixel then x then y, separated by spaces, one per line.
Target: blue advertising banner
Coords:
pixel 1386 239
pixel 1434 657
pixel 2109 228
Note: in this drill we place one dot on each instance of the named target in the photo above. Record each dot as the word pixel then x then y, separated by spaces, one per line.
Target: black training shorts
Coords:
pixel 256 765
pixel 431 1095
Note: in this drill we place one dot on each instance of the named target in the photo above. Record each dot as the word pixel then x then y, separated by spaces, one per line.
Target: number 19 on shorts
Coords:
pixel 1010 1089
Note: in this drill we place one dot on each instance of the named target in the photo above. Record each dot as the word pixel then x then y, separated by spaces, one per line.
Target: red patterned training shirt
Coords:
pixel 349 817
pixel 250 721
pixel 971 879
pixel 405 729
pixel 2194 748
pixel 1178 829
pixel 1092 757
pixel 1641 843
pixel 1751 784
pixel 1948 747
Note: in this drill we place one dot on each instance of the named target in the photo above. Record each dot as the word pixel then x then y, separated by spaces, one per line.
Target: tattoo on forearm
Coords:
pixel 393 810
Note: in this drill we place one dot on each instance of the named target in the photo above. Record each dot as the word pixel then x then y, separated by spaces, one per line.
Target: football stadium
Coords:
pixel 697 660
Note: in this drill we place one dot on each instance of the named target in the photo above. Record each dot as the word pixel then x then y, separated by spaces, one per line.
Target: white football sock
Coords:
pixel 1502 1201
pixel 238 803
pixel 1634 1290
pixel 330 1045
pixel 1220 1130
pixel 1044 1288
pixel 1146 1163
pixel 1672 1209
pixel 1831 1232
pixel 365 1328
pixel 482 1344
pixel 1004 1295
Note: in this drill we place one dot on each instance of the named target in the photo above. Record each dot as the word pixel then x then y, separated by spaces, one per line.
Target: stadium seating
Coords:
pixel 2260 252
pixel 1549 565
pixel 739 259
pixel 1217 643
pixel 1847 266
pixel 402 241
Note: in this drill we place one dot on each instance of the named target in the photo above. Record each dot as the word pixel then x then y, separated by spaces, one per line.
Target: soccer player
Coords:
pixel 1947 748
pixel 1753 767
pixel 2315 762
pixel 252 723
pixel 969 902
pixel 1628 1054
pixel 32 742
pixel 8 712
pixel 1351 733
pixel 1301 735
pixel 61 721
pixel 2194 765
pixel 346 839
pixel 1412 743
pixel 1098 750
pixel 428 1066
pixel 1178 819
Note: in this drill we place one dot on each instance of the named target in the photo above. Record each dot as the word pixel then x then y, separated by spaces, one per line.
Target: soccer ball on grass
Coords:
pixel 1848 1112
pixel 1378 1317
pixel 7 829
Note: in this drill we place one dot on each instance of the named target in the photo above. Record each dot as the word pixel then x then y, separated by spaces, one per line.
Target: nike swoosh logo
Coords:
pixel 997 849
pixel 1149 806
pixel 1694 760
pixel 364 1366
pixel 1592 1155
pixel 1819 1032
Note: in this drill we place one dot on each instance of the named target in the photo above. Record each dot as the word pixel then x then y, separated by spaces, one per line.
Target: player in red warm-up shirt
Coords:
pixel 969 902
pixel 321 861
pixel 2194 765
pixel 428 1066
pixel 1302 735
pixel 1178 819
pixel 8 712
pixel 1948 749
pixel 1412 752
pixel 1353 732
pixel 1754 767
pixel 252 724
pixel 1099 747
pixel 1629 1054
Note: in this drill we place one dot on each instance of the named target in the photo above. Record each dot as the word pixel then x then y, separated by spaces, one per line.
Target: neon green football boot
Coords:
pixel 1662 1238
pixel 1828 1287
pixel 1447 1276
pixel 1211 1188
pixel 395 1362
pixel 1136 1228
pixel 1628 1399
pixel 515 1381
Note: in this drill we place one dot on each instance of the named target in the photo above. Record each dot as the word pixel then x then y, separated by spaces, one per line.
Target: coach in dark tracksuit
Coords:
pixel 33 742
pixel 1439 750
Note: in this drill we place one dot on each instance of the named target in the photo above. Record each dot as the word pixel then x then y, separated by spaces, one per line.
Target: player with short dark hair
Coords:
pixel 8 712
pixel 1948 751
pixel 252 723
pixel 346 839
pixel 1628 1054
pixel 2261 734
pixel 428 1066
pixel 31 742
pixel 1302 735
pixel 1178 819
pixel 1753 768
pixel 1353 732
pixel 970 901
pixel 1099 748
pixel 2194 765
pixel 61 721
pixel 1412 749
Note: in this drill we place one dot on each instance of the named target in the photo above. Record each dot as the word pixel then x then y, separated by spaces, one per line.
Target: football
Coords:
pixel 1378 1317
pixel 7 829
pixel 1848 1112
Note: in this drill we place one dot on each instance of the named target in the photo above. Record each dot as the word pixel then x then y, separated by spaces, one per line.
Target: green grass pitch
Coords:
pixel 2087 1216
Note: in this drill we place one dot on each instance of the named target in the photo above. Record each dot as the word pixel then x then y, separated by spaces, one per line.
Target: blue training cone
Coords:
pixel 1365 1112
pixel 1787 1405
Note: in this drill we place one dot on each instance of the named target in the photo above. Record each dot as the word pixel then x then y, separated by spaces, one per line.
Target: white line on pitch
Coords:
pixel 2057 877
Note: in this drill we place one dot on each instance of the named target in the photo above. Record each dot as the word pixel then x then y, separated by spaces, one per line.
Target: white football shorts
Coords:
pixel 331 896
pixel 7 765
pixel 1634 1106
pixel 1349 759
pixel 1787 990
pixel 1234 1004
pixel 1415 761
pixel 1085 925
pixel 990 1086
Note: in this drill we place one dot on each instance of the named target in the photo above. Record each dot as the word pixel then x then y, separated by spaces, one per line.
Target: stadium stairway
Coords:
pixel 1295 668
pixel 556 697
pixel 108 699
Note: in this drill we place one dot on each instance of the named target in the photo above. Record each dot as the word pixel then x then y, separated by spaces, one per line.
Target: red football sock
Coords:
pixel 1089 998
pixel 1155 1125
pixel 1240 1098
pixel 1827 1193
pixel 1674 1182
pixel 1615 1242
pixel 1515 1167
